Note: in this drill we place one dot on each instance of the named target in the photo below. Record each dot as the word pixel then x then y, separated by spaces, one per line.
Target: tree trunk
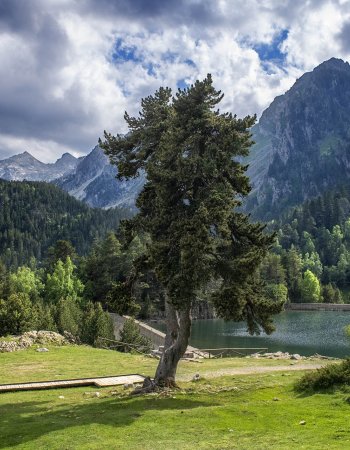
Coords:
pixel 176 341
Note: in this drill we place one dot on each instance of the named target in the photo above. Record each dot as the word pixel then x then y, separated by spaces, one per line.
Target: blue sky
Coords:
pixel 271 51
pixel 70 68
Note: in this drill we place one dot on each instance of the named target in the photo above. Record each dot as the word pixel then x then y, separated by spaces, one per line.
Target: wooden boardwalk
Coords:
pixel 76 382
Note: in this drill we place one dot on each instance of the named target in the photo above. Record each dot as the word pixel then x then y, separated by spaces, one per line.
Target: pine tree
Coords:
pixel 15 314
pixel 188 206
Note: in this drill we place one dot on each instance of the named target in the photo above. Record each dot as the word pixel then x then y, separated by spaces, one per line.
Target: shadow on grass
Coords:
pixel 336 389
pixel 27 421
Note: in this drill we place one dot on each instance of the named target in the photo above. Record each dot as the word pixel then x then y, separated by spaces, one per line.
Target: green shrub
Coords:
pixel 326 377
pixel 15 314
pixel 130 334
pixel 96 324
pixel 347 330
pixel 68 316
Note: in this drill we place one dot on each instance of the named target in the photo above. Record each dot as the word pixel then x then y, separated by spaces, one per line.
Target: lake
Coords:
pixel 303 332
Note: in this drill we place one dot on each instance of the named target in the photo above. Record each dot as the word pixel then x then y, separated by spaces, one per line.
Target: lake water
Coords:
pixel 303 332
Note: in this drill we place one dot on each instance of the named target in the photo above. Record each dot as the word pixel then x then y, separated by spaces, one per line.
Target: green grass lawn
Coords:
pixel 227 412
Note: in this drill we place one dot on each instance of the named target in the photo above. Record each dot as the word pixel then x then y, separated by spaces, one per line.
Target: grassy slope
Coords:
pixel 224 413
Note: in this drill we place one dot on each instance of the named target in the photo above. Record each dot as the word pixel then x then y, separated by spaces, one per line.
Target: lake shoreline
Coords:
pixel 303 332
pixel 317 307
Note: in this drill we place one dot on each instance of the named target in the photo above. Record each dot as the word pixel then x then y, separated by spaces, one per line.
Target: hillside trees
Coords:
pixel 188 207
pixel 34 215
pixel 41 300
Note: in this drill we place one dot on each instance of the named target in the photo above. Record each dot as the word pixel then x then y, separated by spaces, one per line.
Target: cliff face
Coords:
pixel 302 141
pixel 94 182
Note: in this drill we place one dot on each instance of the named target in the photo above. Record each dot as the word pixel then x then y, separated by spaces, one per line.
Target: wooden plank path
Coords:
pixel 76 382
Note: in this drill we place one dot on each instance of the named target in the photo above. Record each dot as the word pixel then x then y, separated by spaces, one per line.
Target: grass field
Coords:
pixel 259 411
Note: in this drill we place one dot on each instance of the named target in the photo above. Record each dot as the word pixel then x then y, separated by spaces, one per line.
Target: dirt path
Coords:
pixel 252 370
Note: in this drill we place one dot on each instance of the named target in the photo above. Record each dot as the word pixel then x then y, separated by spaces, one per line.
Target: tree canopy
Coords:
pixel 191 155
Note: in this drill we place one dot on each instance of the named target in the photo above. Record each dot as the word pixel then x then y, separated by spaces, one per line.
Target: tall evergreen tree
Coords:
pixel 190 152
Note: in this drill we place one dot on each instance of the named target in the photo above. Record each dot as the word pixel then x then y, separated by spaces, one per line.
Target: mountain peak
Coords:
pixel 302 141
pixel 24 158
pixel 25 166
pixel 66 157
pixel 333 63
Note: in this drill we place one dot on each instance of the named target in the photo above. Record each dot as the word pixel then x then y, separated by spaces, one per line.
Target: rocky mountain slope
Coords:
pixel 302 141
pixel 90 179
pixel 94 182
pixel 25 167
pixel 302 149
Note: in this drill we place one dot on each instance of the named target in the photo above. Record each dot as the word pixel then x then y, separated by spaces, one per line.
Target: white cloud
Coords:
pixel 61 87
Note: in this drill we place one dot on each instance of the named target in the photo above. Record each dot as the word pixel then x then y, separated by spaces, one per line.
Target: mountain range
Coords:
pixel 302 148
pixel 90 179
pixel 25 167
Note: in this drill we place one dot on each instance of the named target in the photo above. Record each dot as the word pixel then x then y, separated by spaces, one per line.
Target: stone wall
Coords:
pixel 157 337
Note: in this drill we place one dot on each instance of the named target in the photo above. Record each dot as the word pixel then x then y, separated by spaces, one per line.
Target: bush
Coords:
pixel 68 316
pixel 96 323
pixel 43 317
pixel 347 330
pixel 15 314
pixel 326 377
pixel 130 334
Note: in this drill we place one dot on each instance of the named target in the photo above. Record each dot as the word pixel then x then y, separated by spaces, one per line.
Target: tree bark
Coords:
pixel 176 340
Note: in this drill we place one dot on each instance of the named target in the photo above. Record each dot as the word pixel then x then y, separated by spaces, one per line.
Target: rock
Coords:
pixel 31 338
pixel 128 386
pixel 295 356
pixel 275 399
pixel 302 422
pixel 96 394
pixel 61 397
pixel 42 349
pixel 70 338
pixel 196 377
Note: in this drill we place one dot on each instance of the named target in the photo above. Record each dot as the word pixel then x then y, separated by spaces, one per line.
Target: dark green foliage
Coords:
pixel 331 294
pixel 36 300
pixel 68 315
pixel 332 375
pixel 61 250
pixel 96 324
pixel 103 266
pixel 130 334
pixel 15 314
pixel 120 300
pixel 190 152
pixel 315 237
pixel 105 272
pixel 34 215
pixel 272 270
pixel 43 317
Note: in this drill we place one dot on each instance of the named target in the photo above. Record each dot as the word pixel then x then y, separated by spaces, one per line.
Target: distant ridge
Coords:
pixel 302 149
pixel 94 181
pixel 25 167
pixel 90 178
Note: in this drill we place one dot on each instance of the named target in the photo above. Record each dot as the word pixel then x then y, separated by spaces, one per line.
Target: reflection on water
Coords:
pixel 304 332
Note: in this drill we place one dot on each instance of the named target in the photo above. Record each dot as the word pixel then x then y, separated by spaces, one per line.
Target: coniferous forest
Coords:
pixel 34 215
pixel 308 262
pixel 311 255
